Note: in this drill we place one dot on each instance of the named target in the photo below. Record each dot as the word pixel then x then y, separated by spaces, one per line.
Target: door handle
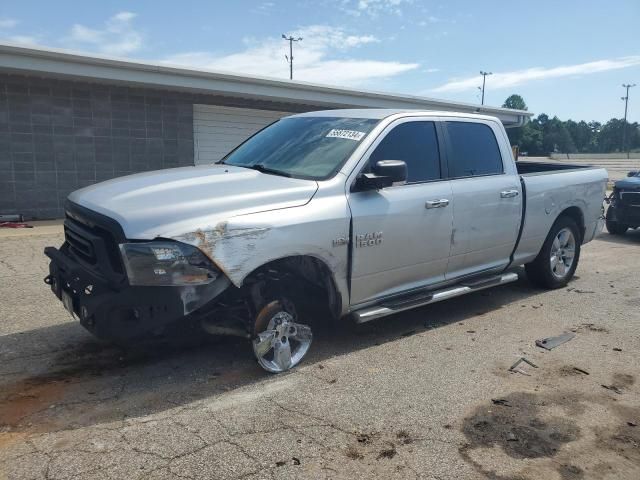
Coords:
pixel 443 202
pixel 509 194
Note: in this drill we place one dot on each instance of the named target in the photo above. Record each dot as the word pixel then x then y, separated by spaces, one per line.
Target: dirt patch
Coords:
pixel 623 440
pixel 590 327
pixel 27 397
pixel 570 472
pixel 516 427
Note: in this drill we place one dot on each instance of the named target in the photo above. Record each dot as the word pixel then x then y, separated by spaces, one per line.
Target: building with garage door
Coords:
pixel 70 120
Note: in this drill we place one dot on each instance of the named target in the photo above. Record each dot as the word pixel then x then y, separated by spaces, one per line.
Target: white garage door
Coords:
pixel 218 130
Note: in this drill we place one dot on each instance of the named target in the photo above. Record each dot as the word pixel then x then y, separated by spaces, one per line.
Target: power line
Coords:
pixel 290 39
pixel 484 78
pixel 626 104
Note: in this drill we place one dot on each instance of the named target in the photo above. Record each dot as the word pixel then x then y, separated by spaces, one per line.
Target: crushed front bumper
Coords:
pixel 87 275
pixel 122 313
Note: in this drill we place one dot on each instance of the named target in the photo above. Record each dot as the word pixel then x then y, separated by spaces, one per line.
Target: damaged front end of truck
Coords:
pixel 122 290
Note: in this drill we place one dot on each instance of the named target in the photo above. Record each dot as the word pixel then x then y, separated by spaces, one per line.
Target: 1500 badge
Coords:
pixel 369 239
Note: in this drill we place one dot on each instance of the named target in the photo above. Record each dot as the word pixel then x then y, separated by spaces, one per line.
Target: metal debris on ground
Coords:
pixel 513 368
pixel 553 342
pixel 500 401
pixel 579 370
pixel 613 388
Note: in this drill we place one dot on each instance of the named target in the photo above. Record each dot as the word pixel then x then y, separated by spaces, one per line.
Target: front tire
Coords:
pixel 558 259
pixel 280 342
pixel 613 227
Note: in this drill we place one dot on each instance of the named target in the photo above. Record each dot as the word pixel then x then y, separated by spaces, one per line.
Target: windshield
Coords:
pixel 306 147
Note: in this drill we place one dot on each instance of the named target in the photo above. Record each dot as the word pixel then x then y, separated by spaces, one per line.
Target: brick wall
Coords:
pixel 57 136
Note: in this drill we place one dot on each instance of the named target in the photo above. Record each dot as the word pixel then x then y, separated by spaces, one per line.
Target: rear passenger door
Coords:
pixel 487 198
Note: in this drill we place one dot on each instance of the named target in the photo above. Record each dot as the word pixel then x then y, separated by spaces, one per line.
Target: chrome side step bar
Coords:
pixel 391 307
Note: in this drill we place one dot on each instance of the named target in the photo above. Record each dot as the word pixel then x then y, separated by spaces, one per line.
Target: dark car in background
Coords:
pixel 624 205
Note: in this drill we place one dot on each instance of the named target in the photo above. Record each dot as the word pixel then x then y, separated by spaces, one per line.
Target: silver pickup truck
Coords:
pixel 321 216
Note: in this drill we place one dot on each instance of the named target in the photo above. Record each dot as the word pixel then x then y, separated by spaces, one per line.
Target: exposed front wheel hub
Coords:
pixel 283 343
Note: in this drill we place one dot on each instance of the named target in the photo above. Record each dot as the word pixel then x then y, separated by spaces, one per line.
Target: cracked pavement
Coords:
pixel 409 396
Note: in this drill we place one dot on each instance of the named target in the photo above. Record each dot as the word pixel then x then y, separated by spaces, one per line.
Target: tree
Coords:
pixel 515 102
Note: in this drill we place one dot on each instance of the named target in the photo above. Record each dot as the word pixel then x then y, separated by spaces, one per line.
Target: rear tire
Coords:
pixel 558 259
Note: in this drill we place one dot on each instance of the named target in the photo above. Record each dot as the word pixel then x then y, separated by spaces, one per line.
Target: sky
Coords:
pixel 567 58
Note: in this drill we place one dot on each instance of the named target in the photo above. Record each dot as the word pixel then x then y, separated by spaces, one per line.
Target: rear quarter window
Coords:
pixel 473 150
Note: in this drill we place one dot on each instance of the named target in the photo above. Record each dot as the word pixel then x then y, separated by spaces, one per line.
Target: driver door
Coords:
pixel 402 234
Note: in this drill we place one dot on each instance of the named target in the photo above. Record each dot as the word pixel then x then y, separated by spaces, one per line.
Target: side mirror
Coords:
pixel 384 174
pixel 633 173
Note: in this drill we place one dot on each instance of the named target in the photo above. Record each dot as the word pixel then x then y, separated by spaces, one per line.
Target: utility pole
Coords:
pixel 290 39
pixel 484 78
pixel 626 104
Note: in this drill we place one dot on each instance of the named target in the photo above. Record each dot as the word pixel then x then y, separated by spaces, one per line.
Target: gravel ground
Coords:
pixel 424 394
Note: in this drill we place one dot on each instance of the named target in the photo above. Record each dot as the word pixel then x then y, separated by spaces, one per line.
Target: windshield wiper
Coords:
pixel 261 168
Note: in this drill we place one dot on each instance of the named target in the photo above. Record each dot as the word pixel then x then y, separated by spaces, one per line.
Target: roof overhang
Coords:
pixel 64 64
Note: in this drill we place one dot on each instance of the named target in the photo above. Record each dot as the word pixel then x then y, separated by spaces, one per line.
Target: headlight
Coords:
pixel 166 263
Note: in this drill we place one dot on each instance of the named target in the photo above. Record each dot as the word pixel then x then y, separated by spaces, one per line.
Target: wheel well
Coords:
pixel 311 270
pixel 577 216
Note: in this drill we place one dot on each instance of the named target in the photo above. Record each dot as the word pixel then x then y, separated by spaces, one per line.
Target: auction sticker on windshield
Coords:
pixel 349 134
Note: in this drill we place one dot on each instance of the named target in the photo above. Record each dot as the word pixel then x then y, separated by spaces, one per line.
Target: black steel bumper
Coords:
pixel 113 313
pixel 624 214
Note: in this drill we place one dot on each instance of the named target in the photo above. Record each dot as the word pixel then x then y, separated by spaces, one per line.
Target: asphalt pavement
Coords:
pixel 424 394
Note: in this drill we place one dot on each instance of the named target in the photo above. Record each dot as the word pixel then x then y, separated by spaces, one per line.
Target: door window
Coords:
pixel 473 150
pixel 416 144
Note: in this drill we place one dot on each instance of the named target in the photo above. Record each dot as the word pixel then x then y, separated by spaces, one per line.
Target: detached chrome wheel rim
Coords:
pixel 282 344
pixel 563 251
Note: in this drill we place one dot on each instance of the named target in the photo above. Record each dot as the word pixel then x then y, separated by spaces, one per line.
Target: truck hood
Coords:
pixel 629 183
pixel 167 203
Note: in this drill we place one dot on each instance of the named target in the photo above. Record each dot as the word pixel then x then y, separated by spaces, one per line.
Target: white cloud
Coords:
pixel 521 77
pixel 373 8
pixel 8 22
pixel 314 58
pixel 117 36
pixel 26 40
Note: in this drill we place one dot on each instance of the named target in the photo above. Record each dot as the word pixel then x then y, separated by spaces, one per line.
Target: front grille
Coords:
pixel 630 198
pixel 80 246
pixel 92 243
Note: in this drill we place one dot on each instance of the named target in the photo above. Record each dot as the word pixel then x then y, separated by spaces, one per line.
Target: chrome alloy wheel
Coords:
pixel 563 251
pixel 282 344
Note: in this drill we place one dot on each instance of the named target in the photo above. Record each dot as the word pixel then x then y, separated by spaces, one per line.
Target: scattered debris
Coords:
pixel 333 380
pixel 553 342
pixel 511 437
pixel 591 327
pixel 295 460
pixel 15 225
pixel 513 368
pixel 353 453
pixel 632 424
pixel 577 290
pixel 363 438
pixel 447 426
pixel 613 388
pixel 471 331
pixel 388 452
pixel 500 401
pixel 320 366
pixel 616 349
pixel 579 370
pixel 404 437
pixel 280 463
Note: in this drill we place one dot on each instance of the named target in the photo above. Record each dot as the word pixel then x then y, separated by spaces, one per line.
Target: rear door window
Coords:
pixel 472 150
pixel 416 144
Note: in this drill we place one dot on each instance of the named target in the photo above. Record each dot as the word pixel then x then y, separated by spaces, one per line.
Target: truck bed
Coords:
pixel 528 168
